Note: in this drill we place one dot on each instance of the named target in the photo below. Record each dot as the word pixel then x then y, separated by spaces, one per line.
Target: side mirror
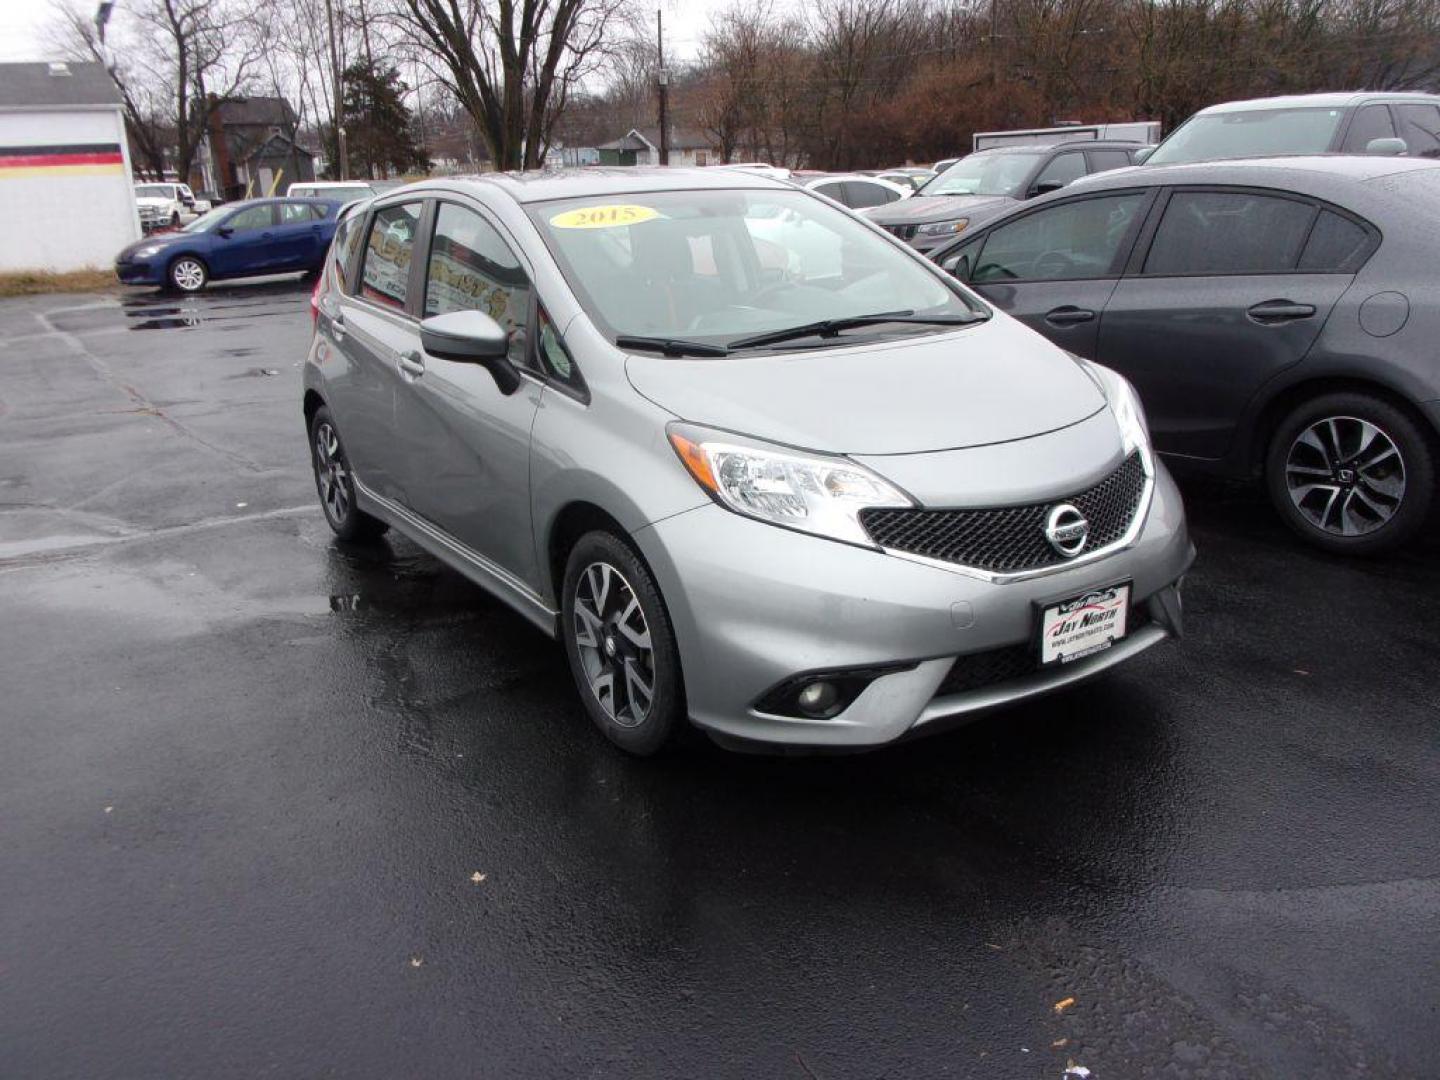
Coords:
pixel 1143 154
pixel 957 266
pixel 1391 147
pixel 1046 188
pixel 226 231
pixel 472 337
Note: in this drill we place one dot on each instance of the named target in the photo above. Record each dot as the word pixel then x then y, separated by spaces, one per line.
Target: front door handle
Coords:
pixel 1069 315
pixel 337 326
pixel 1279 311
pixel 411 365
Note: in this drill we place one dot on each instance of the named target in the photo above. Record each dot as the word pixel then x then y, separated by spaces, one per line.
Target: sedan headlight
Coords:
pixel 810 492
pixel 147 251
pixel 943 228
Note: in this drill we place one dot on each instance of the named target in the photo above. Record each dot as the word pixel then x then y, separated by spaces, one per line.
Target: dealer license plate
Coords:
pixel 1084 625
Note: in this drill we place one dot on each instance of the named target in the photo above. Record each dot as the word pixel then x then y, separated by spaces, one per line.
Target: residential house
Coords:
pixel 641 146
pixel 251 148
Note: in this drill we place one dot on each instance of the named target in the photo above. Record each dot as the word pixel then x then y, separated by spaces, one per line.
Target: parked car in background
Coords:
pixel 338 190
pixel 906 176
pixel 1358 123
pixel 243 239
pixel 163 205
pixel 1280 318
pixel 945 163
pixel 986 184
pixel 1140 132
pixel 858 192
pixel 738 497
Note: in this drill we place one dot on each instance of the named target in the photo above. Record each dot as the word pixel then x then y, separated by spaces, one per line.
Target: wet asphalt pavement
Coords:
pixel 270 806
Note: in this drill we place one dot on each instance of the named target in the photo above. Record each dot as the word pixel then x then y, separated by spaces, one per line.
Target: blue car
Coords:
pixel 243 239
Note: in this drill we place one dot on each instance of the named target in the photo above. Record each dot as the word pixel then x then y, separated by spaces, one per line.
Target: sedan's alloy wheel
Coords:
pixel 187 274
pixel 613 642
pixel 1345 475
pixel 331 473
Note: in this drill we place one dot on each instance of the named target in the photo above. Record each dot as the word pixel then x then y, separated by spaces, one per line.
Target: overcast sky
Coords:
pixel 22 25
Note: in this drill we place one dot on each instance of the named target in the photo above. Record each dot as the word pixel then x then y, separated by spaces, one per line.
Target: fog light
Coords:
pixel 818 698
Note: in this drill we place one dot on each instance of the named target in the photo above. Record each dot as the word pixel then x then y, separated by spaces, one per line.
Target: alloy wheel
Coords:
pixel 188 274
pixel 1345 475
pixel 613 642
pixel 331 474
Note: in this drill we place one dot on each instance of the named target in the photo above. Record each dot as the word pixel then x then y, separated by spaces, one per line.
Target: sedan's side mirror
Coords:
pixel 472 337
pixel 226 231
pixel 1143 154
pixel 1390 147
pixel 1045 188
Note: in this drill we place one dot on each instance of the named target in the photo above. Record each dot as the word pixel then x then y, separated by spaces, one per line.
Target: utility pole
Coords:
pixel 664 81
pixel 339 107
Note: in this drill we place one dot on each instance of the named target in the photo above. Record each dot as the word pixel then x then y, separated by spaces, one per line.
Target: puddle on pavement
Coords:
pixel 255 373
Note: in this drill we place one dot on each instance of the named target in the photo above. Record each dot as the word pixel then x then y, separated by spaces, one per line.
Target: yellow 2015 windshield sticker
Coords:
pixel 603 217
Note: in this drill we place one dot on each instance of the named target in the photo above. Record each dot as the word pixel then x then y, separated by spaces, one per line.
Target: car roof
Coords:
pixel 1316 101
pixel 599 181
pixel 1066 144
pixel 1314 173
pixel 331 183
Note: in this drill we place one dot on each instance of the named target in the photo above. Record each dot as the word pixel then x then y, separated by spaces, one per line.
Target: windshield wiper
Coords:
pixel 670 346
pixel 831 327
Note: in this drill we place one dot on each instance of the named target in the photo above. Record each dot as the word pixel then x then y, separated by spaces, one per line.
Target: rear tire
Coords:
pixel 334 483
pixel 1351 473
pixel 621 646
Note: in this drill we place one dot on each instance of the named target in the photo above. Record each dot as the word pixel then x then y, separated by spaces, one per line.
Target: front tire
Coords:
pixel 1351 473
pixel 187 274
pixel 335 484
pixel 621 646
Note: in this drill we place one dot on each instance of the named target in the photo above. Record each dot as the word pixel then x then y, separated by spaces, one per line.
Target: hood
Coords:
pixel 923 209
pixel 989 383
pixel 154 200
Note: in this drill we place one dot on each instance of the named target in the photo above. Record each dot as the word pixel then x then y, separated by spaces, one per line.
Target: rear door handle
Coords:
pixel 411 365
pixel 337 325
pixel 1279 311
pixel 1069 315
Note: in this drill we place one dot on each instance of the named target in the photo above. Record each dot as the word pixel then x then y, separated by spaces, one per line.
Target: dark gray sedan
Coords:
pixel 1279 317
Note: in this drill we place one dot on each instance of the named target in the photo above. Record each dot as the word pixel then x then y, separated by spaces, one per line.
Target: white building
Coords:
pixel 65 191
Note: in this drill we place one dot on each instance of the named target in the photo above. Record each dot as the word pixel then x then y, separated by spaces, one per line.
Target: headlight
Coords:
pixel 146 252
pixel 1124 406
pixel 943 228
pixel 812 493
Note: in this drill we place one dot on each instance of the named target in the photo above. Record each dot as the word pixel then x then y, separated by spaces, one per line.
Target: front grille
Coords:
pixel 1009 662
pixel 1008 539
pixel 904 232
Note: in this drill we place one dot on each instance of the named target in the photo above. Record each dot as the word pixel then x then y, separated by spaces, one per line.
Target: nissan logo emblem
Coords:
pixel 1067 530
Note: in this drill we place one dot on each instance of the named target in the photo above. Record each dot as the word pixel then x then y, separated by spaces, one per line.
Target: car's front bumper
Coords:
pixel 139 273
pixel 754 605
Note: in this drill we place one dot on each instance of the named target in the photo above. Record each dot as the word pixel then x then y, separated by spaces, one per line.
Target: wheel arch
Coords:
pixel 313 403
pixel 570 523
pixel 1280 404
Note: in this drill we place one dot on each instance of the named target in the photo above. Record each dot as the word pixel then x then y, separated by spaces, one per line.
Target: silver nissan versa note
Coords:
pixel 756 463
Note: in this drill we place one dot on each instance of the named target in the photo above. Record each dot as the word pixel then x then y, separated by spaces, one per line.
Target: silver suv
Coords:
pixel 757 464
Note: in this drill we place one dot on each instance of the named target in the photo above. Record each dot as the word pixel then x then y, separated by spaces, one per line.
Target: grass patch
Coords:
pixel 39 282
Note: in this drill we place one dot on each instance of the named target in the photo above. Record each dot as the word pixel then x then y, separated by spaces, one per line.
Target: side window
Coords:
pixel 961 261
pixel 472 269
pixel 294 213
pixel 1105 160
pixel 1222 232
pixel 343 248
pixel 1070 242
pixel 251 219
pixel 1420 128
pixel 861 194
pixel 321 211
pixel 1371 122
pixel 1336 244
pixel 1061 171
pixel 834 190
pixel 385 276
pixel 554 359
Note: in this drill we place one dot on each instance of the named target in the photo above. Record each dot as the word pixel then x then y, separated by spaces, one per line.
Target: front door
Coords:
pixel 297 237
pixel 464 444
pixel 245 248
pixel 1225 299
pixel 1055 268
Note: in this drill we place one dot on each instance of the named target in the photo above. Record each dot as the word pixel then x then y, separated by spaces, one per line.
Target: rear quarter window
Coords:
pixel 1337 245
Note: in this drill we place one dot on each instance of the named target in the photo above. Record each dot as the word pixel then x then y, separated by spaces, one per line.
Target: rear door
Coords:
pixel 1228 290
pixel 377 324
pixel 1055 267
pixel 465 446
pixel 297 237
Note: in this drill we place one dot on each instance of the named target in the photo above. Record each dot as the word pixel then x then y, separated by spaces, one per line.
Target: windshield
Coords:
pixel 983 174
pixel 208 220
pixel 1250 133
pixel 154 191
pixel 712 266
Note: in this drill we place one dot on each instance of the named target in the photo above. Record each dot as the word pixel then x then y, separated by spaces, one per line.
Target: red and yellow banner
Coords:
pixel 76 159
